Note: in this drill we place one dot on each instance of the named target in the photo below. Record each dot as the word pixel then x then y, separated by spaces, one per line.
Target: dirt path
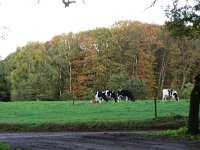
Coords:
pixel 94 141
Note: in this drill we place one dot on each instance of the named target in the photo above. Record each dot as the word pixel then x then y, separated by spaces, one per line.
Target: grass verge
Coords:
pixel 4 146
pixel 178 133
pixel 162 123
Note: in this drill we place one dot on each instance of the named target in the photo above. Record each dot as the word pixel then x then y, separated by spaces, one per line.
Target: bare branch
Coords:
pixel 152 5
pixel 68 3
pixel 83 1
pixel 4 32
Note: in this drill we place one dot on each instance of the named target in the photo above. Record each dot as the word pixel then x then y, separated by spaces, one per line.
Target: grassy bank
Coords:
pixel 84 116
pixel 4 146
pixel 154 124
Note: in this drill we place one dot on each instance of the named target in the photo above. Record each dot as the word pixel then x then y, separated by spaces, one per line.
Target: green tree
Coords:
pixel 59 50
pixel 4 84
pixel 33 78
pixel 127 35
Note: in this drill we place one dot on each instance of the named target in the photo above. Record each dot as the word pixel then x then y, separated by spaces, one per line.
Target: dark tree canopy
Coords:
pixel 184 21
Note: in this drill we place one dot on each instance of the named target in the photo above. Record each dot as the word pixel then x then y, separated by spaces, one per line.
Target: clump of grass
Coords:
pixel 177 133
pixel 4 146
pixel 180 133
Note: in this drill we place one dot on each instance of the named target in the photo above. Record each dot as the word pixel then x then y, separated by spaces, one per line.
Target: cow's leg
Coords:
pixel 119 99
pixel 172 98
pixel 164 98
pixel 96 99
pixel 100 100
pixel 126 98
pixel 105 98
pixel 178 99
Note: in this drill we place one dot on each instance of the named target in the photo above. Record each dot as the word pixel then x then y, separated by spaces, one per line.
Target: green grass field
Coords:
pixel 61 115
pixel 61 112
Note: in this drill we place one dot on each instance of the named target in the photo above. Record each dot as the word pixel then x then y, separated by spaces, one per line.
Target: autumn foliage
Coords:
pixel 76 65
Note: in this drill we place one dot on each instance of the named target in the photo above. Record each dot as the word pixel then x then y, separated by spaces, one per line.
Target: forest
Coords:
pixel 141 57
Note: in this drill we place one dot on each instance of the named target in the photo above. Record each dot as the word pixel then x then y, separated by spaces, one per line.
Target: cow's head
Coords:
pixel 176 96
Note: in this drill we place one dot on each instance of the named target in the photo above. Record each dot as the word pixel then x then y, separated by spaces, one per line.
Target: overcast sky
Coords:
pixel 28 21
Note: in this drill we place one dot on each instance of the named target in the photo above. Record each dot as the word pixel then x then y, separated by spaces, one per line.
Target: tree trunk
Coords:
pixel 193 121
pixel 60 82
pixel 161 76
pixel 70 77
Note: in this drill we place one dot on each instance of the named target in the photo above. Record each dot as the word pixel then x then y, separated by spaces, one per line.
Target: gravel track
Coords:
pixel 94 141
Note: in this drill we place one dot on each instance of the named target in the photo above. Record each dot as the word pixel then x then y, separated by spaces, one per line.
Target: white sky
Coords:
pixel 29 21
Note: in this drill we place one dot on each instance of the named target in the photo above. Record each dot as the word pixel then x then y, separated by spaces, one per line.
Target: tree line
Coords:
pixel 139 56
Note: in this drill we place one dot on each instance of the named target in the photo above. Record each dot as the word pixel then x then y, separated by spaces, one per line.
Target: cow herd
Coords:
pixel 117 96
pixel 127 95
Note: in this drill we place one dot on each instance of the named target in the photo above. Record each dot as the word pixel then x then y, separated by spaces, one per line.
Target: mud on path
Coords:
pixel 94 141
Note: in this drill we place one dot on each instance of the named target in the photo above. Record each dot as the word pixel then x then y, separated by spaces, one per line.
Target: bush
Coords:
pixel 4 146
pixel 88 94
pixel 185 94
pixel 116 80
pixel 136 86
pixel 67 95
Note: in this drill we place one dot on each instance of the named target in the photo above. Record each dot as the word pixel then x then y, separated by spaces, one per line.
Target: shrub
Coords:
pixel 136 86
pixel 67 95
pixel 185 94
pixel 88 94
pixel 4 146
pixel 116 80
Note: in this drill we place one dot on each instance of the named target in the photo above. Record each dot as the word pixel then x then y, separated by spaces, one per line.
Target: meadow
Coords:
pixel 84 116
pixel 61 112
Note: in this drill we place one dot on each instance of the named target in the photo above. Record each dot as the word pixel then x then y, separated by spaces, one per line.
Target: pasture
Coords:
pixel 61 112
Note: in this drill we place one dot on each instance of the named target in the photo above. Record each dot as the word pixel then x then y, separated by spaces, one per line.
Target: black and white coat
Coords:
pixel 125 94
pixel 169 93
pixel 105 96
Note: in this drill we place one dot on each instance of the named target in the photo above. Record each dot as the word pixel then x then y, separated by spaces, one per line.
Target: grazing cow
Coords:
pixel 105 95
pixel 169 93
pixel 121 94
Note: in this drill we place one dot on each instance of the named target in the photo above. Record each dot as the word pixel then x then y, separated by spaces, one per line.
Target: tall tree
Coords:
pixel 4 83
pixel 127 35
pixel 62 49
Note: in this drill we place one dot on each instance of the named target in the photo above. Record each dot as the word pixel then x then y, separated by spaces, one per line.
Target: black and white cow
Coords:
pixel 105 96
pixel 125 94
pixel 169 93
